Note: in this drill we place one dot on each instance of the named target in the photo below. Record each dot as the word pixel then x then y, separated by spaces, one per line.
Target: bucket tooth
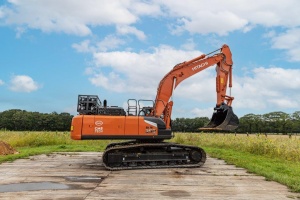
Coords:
pixel 223 118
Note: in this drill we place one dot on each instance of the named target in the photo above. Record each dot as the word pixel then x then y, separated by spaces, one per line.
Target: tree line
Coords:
pixel 273 122
pixel 21 120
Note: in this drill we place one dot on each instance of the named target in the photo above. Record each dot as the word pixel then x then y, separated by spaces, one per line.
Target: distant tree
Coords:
pixel 189 124
pixel 295 119
pixel 250 123
pixel 6 119
pixel 278 122
pixel 21 120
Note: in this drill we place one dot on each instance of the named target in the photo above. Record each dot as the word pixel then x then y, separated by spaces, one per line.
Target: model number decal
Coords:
pixel 150 129
pixel 98 129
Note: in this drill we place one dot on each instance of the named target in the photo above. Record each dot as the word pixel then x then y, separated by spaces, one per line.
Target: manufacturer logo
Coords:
pixel 98 128
pixel 98 123
pixel 199 66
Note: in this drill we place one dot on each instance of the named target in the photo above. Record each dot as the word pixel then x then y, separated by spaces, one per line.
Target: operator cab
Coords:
pixel 141 107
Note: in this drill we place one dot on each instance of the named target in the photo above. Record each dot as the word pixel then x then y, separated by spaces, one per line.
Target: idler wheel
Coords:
pixel 195 156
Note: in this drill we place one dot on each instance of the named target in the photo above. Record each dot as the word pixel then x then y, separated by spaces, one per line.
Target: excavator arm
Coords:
pixel 182 71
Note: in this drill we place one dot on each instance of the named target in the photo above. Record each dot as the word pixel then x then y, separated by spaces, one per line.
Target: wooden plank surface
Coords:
pixel 82 176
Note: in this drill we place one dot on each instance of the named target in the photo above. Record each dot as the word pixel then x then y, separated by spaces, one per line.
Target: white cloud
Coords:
pixel 108 43
pixel 269 34
pixel 268 88
pixel 23 83
pixel 200 87
pixel 84 47
pixel 262 90
pixel 145 8
pixel 89 70
pixel 193 16
pixel 1 82
pixel 75 17
pixel 112 81
pixel 207 112
pixel 189 45
pixel 137 72
pixel 220 23
pixel 2 12
pixel 285 103
pixel 141 72
pixel 124 30
pixel 222 17
pixel 289 41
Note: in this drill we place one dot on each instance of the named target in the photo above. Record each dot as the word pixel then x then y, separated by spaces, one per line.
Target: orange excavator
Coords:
pixel 146 127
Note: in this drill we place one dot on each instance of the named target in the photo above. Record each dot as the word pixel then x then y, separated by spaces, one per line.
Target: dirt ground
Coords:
pixel 6 149
pixel 81 175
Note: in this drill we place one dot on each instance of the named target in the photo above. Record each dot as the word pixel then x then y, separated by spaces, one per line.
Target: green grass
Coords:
pixel 279 170
pixel 37 139
pixel 35 143
pixel 273 146
pixel 25 152
pixel 275 157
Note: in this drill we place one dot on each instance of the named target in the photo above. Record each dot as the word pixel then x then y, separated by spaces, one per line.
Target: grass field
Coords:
pixel 272 146
pixel 34 143
pixel 275 157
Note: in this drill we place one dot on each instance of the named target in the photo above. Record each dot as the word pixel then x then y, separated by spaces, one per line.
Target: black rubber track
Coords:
pixel 193 156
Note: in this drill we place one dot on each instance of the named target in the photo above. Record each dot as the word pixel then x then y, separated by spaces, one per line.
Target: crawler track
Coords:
pixel 134 155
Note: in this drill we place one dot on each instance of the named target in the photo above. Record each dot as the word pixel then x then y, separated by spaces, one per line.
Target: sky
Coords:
pixel 51 51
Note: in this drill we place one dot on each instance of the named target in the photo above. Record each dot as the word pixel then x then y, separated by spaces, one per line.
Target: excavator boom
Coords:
pixel 223 117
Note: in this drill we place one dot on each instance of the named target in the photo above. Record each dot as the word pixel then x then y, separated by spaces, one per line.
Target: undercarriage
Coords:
pixel 140 155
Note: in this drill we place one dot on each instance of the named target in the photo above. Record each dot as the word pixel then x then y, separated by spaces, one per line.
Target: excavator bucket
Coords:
pixel 223 119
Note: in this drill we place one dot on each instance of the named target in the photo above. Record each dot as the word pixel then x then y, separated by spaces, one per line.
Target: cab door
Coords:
pixel 132 126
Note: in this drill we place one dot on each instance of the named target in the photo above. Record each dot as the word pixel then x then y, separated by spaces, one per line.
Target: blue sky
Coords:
pixel 53 50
